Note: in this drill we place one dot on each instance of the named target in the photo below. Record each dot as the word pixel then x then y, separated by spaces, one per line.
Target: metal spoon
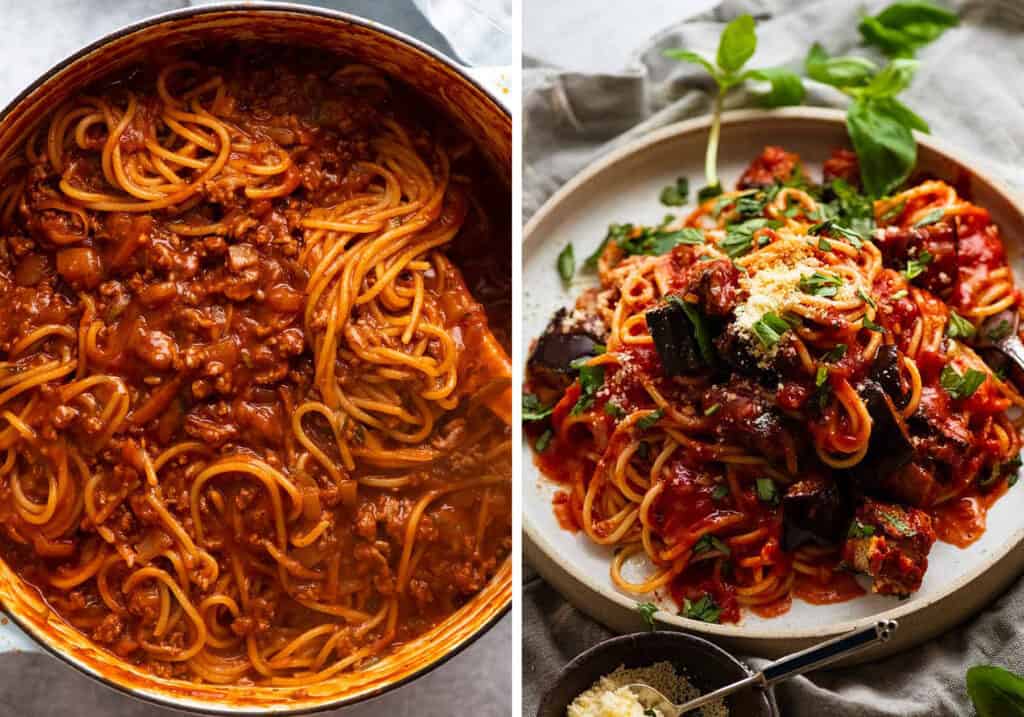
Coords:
pixel 999 332
pixel 796 664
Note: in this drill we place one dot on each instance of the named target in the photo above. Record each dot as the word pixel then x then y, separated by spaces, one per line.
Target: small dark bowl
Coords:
pixel 706 666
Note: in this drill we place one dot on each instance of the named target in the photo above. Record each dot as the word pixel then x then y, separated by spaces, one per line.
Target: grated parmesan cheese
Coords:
pixel 771 284
pixel 608 697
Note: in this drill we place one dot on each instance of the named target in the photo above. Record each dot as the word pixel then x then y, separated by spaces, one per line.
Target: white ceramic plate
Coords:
pixel 624 186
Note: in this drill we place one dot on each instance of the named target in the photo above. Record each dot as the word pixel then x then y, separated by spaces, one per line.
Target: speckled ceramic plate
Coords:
pixel 624 186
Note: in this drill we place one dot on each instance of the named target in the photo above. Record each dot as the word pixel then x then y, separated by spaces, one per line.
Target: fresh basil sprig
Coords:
pixel 880 126
pixel 903 27
pixel 735 47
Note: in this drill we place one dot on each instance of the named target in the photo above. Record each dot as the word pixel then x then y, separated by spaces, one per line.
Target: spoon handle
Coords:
pixel 798 663
pixel 828 652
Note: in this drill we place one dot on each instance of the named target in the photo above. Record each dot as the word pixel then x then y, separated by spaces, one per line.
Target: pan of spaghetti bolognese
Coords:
pixel 255 268
pixel 783 410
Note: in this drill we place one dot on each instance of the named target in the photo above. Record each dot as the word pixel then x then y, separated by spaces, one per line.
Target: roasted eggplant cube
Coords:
pixel 885 371
pixel 675 340
pixel 891 544
pixel 813 511
pixel 889 448
pixel 563 341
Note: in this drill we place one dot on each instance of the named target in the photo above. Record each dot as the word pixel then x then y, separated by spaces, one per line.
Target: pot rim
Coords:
pixel 167 700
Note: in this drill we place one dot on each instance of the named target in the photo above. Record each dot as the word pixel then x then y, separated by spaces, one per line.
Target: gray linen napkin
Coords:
pixel 969 90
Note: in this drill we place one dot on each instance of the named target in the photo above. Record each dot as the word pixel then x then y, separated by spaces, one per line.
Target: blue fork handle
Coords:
pixel 828 652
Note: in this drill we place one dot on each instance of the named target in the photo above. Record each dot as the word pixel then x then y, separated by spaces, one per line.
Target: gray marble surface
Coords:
pixel 33 36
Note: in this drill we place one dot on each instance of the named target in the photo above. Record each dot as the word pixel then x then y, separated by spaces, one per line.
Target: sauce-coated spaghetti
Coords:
pixel 255 425
pixel 787 387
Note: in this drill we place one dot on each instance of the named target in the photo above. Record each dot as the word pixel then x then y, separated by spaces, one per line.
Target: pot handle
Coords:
pixel 14 639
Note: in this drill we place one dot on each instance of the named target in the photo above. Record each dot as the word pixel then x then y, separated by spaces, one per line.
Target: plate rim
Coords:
pixel 536 539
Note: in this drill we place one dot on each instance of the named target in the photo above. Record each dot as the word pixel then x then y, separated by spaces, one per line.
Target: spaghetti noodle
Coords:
pixel 786 387
pixel 254 424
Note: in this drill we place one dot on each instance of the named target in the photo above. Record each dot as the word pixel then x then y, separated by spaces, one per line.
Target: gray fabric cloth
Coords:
pixel 969 90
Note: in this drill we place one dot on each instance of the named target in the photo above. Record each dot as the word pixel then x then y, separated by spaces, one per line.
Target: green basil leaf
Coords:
pixel 705 609
pixel 693 58
pixel 614 410
pixel 835 353
pixel 591 379
pixel 847 71
pixel 903 114
pixel 567 263
pixel 533 410
pixel 544 440
pixel 995 692
pixel 885 146
pixel 903 27
pixel 766 491
pixel 916 266
pixel 931 217
pixel 676 195
pixel 860 530
pixel 786 87
pixel 649 420
pixel 893 79
pixel 960 387
pixel 647 610
pixel 1000 331
pixel 720 492
pixel 709 542
pixel 818 284
pixel 737 44
pixel 739 238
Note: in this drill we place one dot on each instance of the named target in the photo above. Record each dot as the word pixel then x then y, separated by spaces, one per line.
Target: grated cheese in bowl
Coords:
pixel 609 697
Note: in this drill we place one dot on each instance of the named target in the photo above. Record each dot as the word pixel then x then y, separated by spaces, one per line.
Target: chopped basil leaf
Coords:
pixel 766 491
pixel 709 542
pixel 931 217
pixel 824 244
pixel 860 530
pixel 739 238
pixel 591 379
pixel 915 267
pixel 769 329
pixel 836 353
pixel 566 263
pixel 544 440
pixel 649 420
pixel 643 451
pixel 830 226
pixel 897 295
pixel 959 327
pixel 1001 331
pixel 821 376
pixel 647 610
pixel 705 609
pixel 533 410
pixel 870 325
pixel 700 328
pixel 818 284
pixel 958 386
pixel 898 524
pixel 712 409
pixel 865 298
pixel 614 410
pixel 676 195
pixel 720 492
pixel 894 212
